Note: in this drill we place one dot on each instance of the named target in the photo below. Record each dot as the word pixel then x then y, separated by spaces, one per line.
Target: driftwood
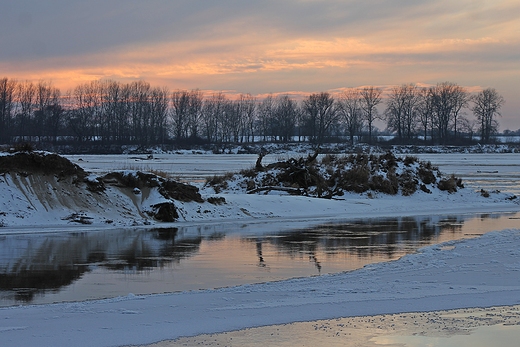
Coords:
pixel 312 158
pixel 258 165
pixel 292 191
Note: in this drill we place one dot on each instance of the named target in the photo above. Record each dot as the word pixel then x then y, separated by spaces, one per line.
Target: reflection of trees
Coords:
pixel 28 283
pixel 362 238
pixel 51 262
pixel 31 265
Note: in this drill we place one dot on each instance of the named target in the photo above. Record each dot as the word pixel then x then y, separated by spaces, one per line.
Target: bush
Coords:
pixel 408 184
pixel 219 182
pixel 450 184
pixel 409 160
pixel 250 173
pixel 24 147
pixel 426 175
pixel 216 200
pixel 383 185
pixel 425 189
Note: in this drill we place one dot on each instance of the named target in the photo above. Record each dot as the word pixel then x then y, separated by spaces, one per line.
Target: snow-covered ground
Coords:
pixel 480 272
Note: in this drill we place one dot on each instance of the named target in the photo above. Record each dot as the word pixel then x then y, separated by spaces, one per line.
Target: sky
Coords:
pixel 261 47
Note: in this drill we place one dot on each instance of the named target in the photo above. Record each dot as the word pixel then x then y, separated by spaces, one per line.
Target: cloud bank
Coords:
pixel 269 46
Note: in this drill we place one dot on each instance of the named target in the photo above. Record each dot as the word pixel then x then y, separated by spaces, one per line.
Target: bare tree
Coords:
pixel 266 111
pixel 86 109
pixel 370 98
pixel 215 118
pixel 54 115
pixel 248 117
pixel 47 111
pixel 447 100
pixel 286 113
pixel 195 112
pixel 180 113
pixel 349 107
pixel 321 113
pixel 425 112
pixel 486 107
pixel 158 109
pixel 395 111
pixel 7 106
pixel 402 110
pixel 467 126
pixel 26 97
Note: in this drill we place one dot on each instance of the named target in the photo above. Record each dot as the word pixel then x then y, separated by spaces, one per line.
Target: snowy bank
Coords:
pixel 480 272
pixel 45 190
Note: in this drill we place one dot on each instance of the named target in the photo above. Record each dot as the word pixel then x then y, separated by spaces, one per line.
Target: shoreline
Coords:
pixel 368 331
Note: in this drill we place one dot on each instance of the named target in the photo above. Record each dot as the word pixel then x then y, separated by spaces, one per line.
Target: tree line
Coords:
pixel 111 112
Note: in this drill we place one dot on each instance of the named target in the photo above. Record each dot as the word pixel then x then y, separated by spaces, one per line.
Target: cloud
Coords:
pixel 265 45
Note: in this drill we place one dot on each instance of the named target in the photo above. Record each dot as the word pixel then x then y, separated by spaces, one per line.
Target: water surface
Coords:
pixel 75 266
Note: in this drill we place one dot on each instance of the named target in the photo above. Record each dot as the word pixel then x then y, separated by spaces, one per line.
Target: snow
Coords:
pixel 480 272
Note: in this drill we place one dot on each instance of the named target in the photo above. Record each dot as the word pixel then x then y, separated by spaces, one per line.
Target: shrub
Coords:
pixel 216 200
pixel 408 184
pixel 219 182
pixel 425 189
pixel 383 185
pixel 219 179
pixel 450 184
pixel 249 173
pixel 355 179
pixel 24 147
pixel 426 174
pixel 328 159
pixel 409 160
pixel 160 173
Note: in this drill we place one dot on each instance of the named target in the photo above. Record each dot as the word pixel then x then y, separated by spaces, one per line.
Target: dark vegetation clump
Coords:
pixel 450 184
pixel 219 182
pixel 334 175
pixel 23 147
pixel 27 163
pixel 180 191
pixel 165 212
pixel 170 189
pixel 216 200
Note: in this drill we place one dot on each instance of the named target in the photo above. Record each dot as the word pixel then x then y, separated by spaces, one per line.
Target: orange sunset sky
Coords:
pixel 259 47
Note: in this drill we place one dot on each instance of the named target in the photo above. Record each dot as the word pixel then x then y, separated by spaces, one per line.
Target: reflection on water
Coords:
pixel 79 266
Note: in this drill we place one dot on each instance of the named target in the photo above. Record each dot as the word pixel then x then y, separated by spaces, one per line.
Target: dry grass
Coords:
pixel 450 184
pixel 219 182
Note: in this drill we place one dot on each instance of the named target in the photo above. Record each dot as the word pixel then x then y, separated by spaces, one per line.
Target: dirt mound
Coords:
pixel 41 163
